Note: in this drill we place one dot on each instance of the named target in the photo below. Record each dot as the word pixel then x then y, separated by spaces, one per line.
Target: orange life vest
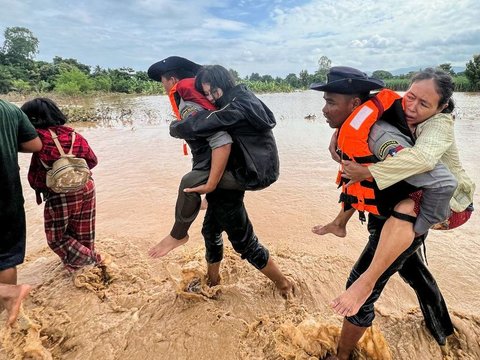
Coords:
pixel 173 102
pixel 353 145
pixel 185 89
pixel 176 111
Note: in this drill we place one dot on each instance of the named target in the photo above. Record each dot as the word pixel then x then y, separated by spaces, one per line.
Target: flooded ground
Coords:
pixel 150 311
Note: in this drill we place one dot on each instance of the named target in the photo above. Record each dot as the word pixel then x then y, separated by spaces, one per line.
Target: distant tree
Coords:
pixel 57 61
pixel 267 78
pixel 6 80
pixel 102 83
pixel 142 75
pixel 47 71
pixel 19 46
pixel 447 67
pixel 382 74
pixel 73 82
pixel 255 77
pixel 292 80
pixel 472 72
pixel 235 75
pixel 97 71
pixel 324 65
pixel 304 78
pixel 21 86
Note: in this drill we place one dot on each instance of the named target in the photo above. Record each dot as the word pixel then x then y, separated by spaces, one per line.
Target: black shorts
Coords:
pixel 12 240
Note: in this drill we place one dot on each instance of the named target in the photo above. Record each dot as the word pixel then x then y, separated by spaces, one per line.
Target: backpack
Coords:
pixel 68 173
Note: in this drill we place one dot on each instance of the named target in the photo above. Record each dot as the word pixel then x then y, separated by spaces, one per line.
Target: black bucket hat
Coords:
pixel 347 80
pixel 188 68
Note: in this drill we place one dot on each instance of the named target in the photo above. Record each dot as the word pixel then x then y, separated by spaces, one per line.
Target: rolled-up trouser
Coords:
pixel 412 269
pixel 188 204
pixel 226 212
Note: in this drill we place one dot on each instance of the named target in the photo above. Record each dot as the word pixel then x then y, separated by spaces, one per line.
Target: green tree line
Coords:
pixel 20 72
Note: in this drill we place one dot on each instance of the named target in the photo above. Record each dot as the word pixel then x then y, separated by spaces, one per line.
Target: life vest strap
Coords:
pixel 369 159
pixel 351 199
pixel 364 183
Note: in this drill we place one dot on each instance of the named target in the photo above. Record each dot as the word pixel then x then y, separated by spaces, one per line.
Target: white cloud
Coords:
pixel 219 25
pixel 268 37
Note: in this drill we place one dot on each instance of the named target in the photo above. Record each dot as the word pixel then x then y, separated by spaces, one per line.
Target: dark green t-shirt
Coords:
pixel 15 128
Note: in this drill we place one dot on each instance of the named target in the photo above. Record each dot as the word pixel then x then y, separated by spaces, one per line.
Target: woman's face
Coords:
pixel 212 95
pixel 421 101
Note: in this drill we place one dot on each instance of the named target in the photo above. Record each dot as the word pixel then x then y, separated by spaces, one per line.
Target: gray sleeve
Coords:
pixel 187 108
pixel 219 139
pixel 438 185
pixel 384 138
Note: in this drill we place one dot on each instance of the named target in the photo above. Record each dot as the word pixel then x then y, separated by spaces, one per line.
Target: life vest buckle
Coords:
pixel 361 216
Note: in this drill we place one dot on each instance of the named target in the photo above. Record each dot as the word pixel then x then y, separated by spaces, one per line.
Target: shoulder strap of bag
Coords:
pixel 57 143
pixel 59 146
pixel 73 142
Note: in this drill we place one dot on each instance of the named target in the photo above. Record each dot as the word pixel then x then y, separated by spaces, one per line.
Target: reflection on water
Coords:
pixel 140 166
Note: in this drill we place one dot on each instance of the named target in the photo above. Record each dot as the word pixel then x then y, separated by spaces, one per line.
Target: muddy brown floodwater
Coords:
pixel 162 308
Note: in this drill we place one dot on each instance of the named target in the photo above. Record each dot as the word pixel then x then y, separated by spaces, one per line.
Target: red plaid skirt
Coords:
pixel 70 226
pixel 456 219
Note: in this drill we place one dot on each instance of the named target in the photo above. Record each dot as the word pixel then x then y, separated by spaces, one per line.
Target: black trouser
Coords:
pixel 188 204
pixel 412 269
pixel 226 212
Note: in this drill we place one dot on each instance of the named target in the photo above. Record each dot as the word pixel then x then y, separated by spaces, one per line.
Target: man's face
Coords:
pixel 168 83
pixel 338 107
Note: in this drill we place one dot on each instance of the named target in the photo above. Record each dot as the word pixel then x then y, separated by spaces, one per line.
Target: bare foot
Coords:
pixel 331 228
pixel 105 259
pixel 204 204
pixel 352 299
pixel 286 288
pixel 13 299
pixel 166 245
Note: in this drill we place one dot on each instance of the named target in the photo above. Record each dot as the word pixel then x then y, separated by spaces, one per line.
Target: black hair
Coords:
pixel 217 76
pixel 363 96
pixel 180 74
pixel 444 86
pixel 43 112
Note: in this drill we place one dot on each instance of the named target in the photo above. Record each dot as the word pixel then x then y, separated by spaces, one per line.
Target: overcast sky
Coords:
pixel 275 37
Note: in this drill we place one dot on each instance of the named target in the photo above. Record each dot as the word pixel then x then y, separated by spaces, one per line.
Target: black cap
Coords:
pixel 347 80
pixel 185 67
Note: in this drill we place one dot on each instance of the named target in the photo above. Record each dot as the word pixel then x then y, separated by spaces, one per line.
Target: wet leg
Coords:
pixel 11 297
pixel 8 276
pixel 396 236
pixel 213 274
pixel 349 338
pixel 284 286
